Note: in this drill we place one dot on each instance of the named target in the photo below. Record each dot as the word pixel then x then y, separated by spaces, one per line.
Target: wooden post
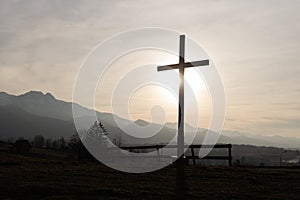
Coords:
pixel 157 150
pixel 180 138
pixel 193 155
pixel 230 156
pixel 180 178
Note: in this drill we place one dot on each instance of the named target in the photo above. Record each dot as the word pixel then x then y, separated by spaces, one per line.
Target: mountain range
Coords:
pixel 36 113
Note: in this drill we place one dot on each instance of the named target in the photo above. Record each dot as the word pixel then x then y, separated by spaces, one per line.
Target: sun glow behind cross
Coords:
pixel 145 100
pixel 159 103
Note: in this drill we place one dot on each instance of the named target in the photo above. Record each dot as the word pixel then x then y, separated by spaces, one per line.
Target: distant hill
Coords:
pixel 15 122
pixel 35 113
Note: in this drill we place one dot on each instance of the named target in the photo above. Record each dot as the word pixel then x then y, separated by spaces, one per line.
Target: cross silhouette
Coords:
pixel 181 66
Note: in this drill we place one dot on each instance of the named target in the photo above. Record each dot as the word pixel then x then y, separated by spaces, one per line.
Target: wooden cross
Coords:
pixel 181 66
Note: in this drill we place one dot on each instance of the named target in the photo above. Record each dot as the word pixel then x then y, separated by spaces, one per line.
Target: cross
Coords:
pixel 181 66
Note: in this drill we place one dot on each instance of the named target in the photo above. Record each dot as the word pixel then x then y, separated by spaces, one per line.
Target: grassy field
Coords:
pixel 45 174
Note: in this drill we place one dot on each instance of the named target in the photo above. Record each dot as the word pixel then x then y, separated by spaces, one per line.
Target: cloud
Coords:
pixel 255 45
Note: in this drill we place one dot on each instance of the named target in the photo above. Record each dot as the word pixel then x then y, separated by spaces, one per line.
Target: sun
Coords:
pixel 144 99
pixel 195 81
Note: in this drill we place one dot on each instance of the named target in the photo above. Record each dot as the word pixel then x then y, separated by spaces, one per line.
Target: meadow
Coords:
pixel 49 174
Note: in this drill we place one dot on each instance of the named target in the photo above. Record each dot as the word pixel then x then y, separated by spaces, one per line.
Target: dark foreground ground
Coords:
pixel 46 176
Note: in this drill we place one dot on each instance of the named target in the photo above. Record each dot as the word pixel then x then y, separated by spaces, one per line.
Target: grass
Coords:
pixel 46 174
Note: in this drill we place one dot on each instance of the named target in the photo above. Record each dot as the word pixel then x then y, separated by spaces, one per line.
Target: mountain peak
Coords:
pixel 32 92
pixel 141 122
pixel 38 94
pixel 49 95
pixel 4 94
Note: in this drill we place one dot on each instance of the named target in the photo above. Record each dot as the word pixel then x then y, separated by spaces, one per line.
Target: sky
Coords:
pixel 255 46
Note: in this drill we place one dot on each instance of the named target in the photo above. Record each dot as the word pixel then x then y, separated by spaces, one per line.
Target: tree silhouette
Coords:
pixel 62 143
pixel 54 144
pixel 38 141
pixel 22 146
pixel 75 142
pixel 97 133
pixel 77 148
pixel 49 143
pixel 103 128
pixel 95 138
pixel 118 140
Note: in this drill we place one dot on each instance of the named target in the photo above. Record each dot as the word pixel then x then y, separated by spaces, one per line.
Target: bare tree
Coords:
pixel 49 143
pixel 55 144
pixel 77 148
pixel 38 141
pixel 62 143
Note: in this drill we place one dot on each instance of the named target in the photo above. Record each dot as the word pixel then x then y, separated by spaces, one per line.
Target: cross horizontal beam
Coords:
pixel 185 65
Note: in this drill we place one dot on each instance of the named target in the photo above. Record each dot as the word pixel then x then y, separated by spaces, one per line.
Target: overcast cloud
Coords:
pixel 254 44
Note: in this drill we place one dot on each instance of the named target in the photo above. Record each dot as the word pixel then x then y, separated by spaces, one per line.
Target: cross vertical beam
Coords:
pixel 180 176
pixel 180 137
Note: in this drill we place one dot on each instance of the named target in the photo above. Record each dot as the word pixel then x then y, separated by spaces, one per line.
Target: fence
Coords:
pixel 193 157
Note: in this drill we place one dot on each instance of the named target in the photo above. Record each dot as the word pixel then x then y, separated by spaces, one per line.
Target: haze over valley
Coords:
pixel 36 113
